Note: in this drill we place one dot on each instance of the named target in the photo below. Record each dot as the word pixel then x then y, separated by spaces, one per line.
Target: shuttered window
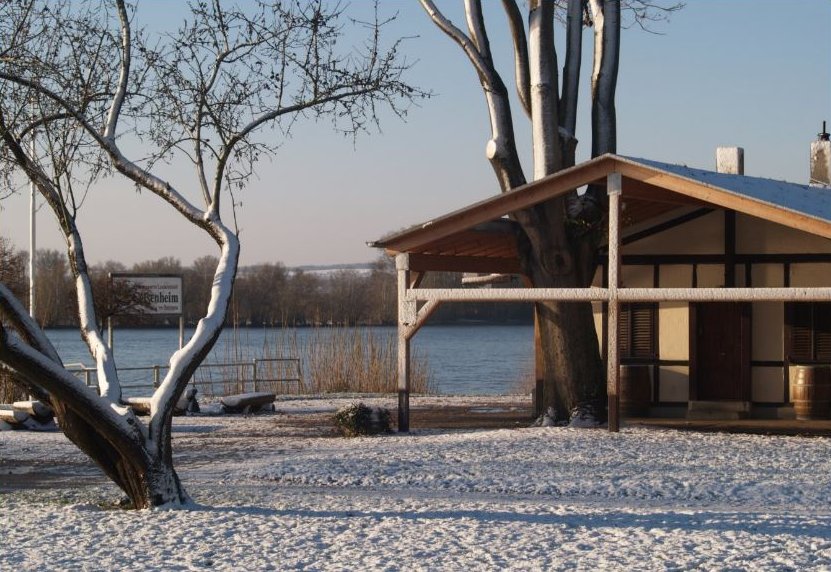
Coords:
pixel 810 327
pixel 636 332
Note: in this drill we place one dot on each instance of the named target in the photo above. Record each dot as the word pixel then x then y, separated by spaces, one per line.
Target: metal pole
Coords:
pixel 32 229
pixel 181 331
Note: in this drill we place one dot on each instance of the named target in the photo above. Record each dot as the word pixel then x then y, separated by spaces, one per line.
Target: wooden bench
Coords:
pixel 12 416
pixel 186 404
pixel 248 402
pixel 36 409
pixel 32 415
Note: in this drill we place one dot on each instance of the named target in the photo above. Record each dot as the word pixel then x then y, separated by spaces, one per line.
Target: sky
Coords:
pixel 749 73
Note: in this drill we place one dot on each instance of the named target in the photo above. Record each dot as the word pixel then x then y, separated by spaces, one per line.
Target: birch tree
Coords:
pixel 220 92
pixel 560 237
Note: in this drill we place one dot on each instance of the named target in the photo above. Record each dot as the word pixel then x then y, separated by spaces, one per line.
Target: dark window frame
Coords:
pixel 638 331
pixel 808 326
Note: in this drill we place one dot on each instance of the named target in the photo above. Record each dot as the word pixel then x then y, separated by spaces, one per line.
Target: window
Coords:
pixel 810 331
pixel 637 329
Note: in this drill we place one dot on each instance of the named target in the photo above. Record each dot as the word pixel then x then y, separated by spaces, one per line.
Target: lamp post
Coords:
pixel 32 241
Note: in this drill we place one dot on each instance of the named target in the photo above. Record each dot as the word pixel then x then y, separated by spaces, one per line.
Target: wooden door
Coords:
pixel 720 351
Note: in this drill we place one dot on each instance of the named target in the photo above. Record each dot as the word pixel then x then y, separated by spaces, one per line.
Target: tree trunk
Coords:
pixel 573 375
pixel 147 481
pixel 556 250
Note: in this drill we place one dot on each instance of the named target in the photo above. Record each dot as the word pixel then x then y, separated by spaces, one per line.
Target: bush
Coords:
pixel 359 419
pixel 9 390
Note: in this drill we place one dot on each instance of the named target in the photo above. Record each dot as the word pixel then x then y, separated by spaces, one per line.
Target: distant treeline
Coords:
pixel 264 294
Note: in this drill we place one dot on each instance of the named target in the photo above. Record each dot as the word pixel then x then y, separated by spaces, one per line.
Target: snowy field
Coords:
pixel 278 491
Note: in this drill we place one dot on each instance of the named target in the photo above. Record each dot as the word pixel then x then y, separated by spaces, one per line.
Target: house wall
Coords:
pixel 706 236
pixel 754 235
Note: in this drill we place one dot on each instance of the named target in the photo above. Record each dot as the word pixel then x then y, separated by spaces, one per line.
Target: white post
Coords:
pixel 110 333
pixel 406 317
pixel 32 229
pixel 614 189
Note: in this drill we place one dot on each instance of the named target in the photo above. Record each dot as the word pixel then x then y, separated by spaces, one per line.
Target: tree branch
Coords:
pixel 501 148
pixel 544 86
pixel 120 426
pixel 100 351
pixel 184 362
pixel 522 77
pixel 604 121
pixel 13 311
pixel 571 69
pixel 479 63
pixel 124 73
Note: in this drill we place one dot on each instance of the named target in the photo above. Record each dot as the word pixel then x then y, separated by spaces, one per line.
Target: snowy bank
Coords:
pixel 276 498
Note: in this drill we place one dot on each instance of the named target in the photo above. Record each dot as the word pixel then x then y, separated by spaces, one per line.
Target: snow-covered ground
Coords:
pixel 278 492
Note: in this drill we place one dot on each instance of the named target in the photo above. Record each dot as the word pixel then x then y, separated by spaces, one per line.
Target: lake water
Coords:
pixel 469 359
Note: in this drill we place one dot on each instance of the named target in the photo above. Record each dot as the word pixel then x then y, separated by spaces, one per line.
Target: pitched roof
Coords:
pixel 650 188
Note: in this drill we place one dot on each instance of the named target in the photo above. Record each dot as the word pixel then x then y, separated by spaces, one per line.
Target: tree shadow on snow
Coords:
pixel 810 526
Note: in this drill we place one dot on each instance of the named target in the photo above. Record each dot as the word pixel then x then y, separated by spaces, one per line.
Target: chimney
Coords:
pixel 730 160
pixel 821 160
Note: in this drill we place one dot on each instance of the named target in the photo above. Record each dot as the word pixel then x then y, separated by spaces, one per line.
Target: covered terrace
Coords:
pixel 645 197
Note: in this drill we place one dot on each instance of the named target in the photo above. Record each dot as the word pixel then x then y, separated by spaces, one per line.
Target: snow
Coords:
pixel 803 199
pixel 279 491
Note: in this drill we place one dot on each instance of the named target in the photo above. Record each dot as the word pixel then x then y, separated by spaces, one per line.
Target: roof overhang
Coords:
pixel 478 238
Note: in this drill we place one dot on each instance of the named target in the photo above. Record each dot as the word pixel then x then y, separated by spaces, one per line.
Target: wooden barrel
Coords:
pixel 635 390
pixel 812 391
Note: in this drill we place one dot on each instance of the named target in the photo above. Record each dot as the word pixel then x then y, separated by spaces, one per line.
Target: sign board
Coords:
pixel 159 294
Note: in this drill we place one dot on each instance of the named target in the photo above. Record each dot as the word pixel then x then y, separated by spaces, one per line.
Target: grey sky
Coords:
pixel 754 73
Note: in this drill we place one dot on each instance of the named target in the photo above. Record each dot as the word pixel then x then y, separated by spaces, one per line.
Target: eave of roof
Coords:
pixel 798 206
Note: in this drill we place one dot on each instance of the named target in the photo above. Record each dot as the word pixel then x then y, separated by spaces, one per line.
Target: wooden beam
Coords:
pixel 666 225
pixel 725 199
pixel 784 258
pixel 614 189
pixel 624 294
pixel 729 248
pixel 641 191
pixel 500 205
pixel 478 264
pixel 407 315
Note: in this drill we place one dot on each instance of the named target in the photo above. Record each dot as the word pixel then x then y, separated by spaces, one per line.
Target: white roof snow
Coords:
pixel 803 199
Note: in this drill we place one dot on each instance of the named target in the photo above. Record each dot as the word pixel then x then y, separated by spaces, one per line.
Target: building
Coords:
pixel 717 284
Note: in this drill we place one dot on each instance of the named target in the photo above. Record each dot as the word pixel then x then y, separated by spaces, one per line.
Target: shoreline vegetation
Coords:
pixel 337 305
pixel 333 359
pixel 271 295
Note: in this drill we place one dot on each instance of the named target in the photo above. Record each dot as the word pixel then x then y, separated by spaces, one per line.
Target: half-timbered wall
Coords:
pixel 693 254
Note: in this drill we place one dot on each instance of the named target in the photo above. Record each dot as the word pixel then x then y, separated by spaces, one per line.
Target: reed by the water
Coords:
pixel 326 360
pixel 9 392
pixel 332 360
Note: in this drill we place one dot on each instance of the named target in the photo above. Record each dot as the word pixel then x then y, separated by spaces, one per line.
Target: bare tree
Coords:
pixel 560 237
pixel 51 288
pixel 197 286
pixel 81 74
